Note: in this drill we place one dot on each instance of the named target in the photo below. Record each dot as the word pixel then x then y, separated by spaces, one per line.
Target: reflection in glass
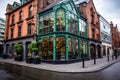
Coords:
pixel 60 48
pixel 46 48
pixel 60 20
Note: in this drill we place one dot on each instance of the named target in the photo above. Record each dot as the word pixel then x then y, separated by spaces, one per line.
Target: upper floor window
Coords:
pixel 93 33
pixel 30 11
pixel 13 19
pixel 29 29
pixel 19 31
pixel 12 31
pixel 60 25
pixel 20 15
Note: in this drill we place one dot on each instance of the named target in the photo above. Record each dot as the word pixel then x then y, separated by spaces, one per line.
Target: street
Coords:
pixel 110 73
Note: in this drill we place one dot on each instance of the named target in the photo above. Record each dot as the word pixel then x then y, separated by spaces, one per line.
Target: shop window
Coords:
pixel 60 48
pixel 45 46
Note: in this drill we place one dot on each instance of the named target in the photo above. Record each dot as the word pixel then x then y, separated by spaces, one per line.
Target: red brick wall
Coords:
pixel 85 9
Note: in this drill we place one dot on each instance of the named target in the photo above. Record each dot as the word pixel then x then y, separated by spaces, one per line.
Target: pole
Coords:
pixel 108 58
pixel 94 58
pixel 83 61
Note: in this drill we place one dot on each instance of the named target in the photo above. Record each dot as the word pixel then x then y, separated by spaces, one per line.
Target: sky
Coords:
pixel 109 9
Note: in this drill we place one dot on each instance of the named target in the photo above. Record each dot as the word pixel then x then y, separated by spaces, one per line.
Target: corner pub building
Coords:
pixel 62 33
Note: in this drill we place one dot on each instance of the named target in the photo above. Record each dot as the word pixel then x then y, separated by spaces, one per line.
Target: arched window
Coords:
pixel 60 19
pixel 20 15
pixel 30 11
pixel 13 20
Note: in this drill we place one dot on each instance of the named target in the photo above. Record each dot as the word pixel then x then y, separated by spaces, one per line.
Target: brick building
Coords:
pixel 87 8
pixel 115 37
pixel 21 23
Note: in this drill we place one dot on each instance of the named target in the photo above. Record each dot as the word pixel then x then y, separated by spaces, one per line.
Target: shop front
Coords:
pixel 62 33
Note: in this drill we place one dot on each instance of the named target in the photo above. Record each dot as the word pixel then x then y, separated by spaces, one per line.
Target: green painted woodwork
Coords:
pixel 68 6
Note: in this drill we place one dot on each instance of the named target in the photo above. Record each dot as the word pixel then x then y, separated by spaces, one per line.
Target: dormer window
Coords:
pixel 30 11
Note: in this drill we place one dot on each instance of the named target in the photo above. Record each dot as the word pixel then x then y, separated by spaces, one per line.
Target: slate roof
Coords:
pixel 80 1
pixel 60 1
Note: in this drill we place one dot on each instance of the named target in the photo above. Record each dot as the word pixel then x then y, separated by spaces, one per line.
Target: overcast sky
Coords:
pixel 109 9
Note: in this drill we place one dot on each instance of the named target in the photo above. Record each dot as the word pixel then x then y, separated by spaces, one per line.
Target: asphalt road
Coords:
pixel 110 73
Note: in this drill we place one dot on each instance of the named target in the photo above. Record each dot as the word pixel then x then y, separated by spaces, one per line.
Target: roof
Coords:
pixel 53 4
pixel 60 1
pixel 80 1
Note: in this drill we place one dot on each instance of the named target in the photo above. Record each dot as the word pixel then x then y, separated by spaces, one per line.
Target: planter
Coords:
pixel 18 59
pixel 29 60
pixel 36 60
pixel 5 56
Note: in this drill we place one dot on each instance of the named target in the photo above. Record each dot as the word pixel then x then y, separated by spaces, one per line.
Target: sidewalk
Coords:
pixel 68 68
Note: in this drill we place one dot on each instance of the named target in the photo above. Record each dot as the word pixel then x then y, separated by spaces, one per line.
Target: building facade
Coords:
pixel 62 32
pixel 20 25
pixel 115 38
pixel 2 30
pixel 105 36
pixel 88 10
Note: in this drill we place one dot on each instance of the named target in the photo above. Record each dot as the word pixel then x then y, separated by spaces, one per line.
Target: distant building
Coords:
pixel 2 30
pixel 88 10
pixel 115 37
pixel 105 36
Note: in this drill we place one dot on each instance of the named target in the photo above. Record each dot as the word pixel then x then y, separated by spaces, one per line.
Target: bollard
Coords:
pixel 108 58
pixel 94 59
pixel 83 61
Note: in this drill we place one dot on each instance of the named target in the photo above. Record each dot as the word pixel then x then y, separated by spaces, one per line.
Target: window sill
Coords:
pixel 21 21
pixel 31 17
pixel 12 24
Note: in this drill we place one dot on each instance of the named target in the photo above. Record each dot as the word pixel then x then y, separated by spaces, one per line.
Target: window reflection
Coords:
pixel 72 23
pixel 60 23
pixel 73 48
pixel 83 47
pixel 60 48
pixel 46 24
pixel 46 48
pixel 82 28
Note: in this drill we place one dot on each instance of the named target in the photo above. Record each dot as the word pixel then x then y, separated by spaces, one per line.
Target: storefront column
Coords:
pixel 79 54
pixel 24 53
pixel 66 40
pixel 54 47
pixel 88 50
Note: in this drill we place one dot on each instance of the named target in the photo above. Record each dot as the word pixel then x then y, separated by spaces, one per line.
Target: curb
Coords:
pixel 87 71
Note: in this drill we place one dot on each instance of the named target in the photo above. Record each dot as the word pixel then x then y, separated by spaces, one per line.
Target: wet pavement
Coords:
pixel 6 75
pixel 110 73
